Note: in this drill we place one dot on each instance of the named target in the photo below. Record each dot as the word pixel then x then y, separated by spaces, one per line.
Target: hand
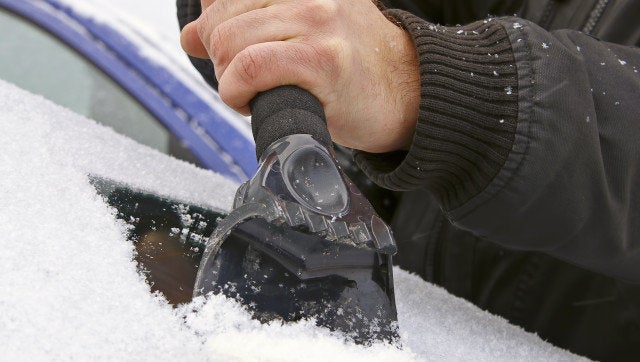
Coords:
pixel 361 67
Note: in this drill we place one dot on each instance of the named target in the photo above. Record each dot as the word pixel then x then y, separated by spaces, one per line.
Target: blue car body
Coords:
pixel 205 131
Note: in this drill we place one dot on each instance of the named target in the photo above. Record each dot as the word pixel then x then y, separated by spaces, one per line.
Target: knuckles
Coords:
pixel 332 56
pixel 318 12
pixel 263 66
pixel 319 58
pixel 250 63
pixel 218 44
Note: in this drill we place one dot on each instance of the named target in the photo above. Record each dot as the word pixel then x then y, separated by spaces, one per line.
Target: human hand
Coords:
pixel 361 67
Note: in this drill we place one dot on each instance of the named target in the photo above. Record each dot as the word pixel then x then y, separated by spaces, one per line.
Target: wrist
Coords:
pixel 405 92
pixel 394 117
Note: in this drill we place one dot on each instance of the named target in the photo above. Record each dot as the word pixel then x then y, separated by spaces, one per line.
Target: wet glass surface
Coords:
pixel 67 78
pixel 168 236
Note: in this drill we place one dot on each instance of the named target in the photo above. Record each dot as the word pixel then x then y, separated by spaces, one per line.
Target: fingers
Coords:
pixel 189 38
pixel 221 11
pixel 191 43
pixel 195 36
pixel 263 66
pixel 205 4
pixel 267 25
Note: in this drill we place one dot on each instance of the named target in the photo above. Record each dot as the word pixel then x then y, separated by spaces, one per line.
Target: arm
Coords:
pixel 347 54
pixel 509 137
pixel 543 154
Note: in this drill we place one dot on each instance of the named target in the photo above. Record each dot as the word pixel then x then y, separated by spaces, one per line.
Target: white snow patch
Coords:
pixel 439 326
pixel 68 286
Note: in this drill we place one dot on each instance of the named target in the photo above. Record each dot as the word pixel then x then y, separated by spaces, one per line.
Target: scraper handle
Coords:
pixel 285 111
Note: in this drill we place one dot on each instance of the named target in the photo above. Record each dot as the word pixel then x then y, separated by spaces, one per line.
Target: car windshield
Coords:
pixel 39 62
pixel 168 235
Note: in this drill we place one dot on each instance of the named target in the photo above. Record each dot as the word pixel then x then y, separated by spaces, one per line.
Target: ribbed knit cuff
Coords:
pixel 468 112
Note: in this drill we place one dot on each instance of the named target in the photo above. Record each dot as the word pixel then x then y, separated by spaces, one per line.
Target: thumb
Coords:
pixel 191 43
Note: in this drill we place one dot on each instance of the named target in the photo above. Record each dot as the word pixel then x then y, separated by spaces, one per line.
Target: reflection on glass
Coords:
pixel 168 236
pixel 40 63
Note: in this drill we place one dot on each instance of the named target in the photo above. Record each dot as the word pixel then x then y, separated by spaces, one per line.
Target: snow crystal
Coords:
pixel 517 25
pixel 545 46
pixel 508 90
pixel 622 61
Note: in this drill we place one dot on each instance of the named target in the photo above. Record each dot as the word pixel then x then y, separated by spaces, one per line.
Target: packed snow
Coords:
pixel 69 288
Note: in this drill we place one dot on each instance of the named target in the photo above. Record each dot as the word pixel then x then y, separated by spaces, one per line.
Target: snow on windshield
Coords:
pixel 70 289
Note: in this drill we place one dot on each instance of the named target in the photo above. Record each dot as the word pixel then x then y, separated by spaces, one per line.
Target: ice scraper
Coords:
pixel 302 241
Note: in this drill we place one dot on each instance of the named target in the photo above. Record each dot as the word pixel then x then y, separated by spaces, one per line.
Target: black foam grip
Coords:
pixel 284 111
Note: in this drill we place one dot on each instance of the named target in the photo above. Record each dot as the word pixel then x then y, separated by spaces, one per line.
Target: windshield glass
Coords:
pixel 169 236
pixel 40 63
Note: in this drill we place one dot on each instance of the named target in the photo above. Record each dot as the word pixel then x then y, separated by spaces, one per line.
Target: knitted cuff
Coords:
pixel 468 112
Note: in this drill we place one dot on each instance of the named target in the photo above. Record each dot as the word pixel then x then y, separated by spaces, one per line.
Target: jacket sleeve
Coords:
pixel 455 11
pixel 527 138
pixel 188 11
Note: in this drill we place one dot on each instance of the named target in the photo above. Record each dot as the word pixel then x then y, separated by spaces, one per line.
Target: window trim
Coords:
pixel 217 144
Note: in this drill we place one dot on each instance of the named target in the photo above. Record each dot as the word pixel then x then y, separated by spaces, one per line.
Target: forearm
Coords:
pixel 467 112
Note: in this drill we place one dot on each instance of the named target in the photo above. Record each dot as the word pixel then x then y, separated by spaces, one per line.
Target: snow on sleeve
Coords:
pixel 69 288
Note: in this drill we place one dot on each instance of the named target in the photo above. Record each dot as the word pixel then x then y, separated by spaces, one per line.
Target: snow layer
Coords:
pixel 70 290
pixel 68 287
